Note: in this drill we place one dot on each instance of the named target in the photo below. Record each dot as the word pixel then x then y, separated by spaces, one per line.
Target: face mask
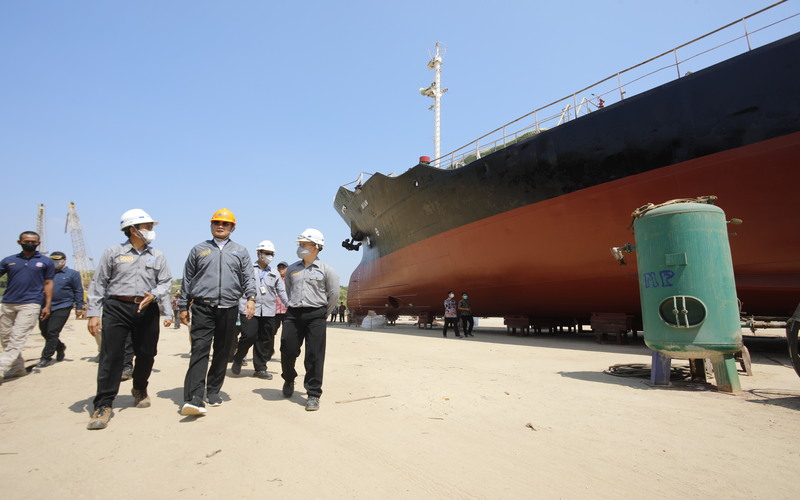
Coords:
pixel 147 236
pixel 302 252
pixel 29 247
pixel 265 259
pixel 451 295
pixel 60 264
pixel 464 297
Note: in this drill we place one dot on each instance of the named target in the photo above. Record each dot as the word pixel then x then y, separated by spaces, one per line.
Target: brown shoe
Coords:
pixel 100 418
pixel 140 398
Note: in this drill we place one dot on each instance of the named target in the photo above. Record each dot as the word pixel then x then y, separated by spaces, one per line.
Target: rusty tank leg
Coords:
pixel 726 373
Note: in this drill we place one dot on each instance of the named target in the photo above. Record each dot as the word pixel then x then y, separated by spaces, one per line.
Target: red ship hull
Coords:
pixel 551 259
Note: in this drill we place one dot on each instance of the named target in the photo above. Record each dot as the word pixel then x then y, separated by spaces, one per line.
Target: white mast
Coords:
pixel 435 91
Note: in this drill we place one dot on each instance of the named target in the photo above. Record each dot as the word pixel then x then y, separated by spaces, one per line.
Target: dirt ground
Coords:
pixel 409 414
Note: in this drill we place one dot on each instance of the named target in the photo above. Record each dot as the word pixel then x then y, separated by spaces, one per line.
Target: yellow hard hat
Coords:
pixel 224 215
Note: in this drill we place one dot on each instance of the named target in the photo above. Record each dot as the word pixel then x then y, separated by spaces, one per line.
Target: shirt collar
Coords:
pixel 128 247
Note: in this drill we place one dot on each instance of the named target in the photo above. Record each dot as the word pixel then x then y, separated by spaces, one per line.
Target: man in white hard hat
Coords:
pixel 313 289
pixel 259 329
pixel 130 280
pixel 216 275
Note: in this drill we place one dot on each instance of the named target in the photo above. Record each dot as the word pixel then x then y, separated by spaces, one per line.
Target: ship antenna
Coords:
pixel 436 91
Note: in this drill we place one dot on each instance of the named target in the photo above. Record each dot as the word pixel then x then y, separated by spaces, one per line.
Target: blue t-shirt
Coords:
pixel 26 278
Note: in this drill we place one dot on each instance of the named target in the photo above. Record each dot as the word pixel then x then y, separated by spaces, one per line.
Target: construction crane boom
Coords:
pixel 82 262
pixel 40 224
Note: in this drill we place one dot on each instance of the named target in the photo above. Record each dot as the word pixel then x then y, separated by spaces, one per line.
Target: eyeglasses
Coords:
pixel 221 223
pixel 266 253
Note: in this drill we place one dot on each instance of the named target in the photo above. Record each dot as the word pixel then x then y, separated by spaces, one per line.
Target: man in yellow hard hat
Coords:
pixel 216 275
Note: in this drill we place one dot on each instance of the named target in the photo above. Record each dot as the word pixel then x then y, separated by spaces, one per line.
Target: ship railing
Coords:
pixel 723 43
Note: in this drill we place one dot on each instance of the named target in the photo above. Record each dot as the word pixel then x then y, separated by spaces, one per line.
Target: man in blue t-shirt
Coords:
pixel 67 290
pixel 30 284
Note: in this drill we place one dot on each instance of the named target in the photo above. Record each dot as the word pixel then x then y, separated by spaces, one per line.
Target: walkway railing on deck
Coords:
pixel 697 54
pixel 721 44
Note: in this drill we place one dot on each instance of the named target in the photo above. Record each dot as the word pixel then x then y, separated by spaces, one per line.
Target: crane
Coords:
pixel 40 223
pixel 82 261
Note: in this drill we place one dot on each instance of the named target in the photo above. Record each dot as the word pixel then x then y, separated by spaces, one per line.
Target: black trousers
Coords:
pixel 257 333
pixel 51 329
pixel 128 357
pixel 119 320
pixel 277 324
pixel 215 326
pixel 467 321
pixel 304 324
pixel 451 322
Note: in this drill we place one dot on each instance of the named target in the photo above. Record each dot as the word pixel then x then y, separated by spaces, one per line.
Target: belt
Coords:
pixel 125 298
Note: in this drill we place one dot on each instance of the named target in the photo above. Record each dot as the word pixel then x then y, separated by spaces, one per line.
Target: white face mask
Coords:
pixel 302 252
pixel 265 259
pixel 60 264
pixel 147 236
pixel 451 295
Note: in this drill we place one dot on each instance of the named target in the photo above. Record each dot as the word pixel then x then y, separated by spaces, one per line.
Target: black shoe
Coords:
pixel 44 363
pixel 127 373
pixel 263 374
pixel 312 404
pixel 61 352
pixel 214 400
pixel 459 336
pixel 288 388
pixel 236 368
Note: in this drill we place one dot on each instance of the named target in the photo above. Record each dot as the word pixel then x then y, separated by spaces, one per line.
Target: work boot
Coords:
pixel 61 351
pixel 44 363
pixel 140 398
pixel 236 368
pixel 100 418
pixel 288 388
pixel 127 373
pixel 17 372
pixel 263 374
pixel 312 404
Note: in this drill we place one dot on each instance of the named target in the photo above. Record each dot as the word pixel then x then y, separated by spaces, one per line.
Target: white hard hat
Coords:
pixel 133 217
pixel 312 235
pixel 266 245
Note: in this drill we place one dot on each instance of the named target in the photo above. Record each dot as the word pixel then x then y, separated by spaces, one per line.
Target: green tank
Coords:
pixel 686 282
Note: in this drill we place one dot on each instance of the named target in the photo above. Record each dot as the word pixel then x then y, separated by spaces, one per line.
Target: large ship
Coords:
pixel 525 226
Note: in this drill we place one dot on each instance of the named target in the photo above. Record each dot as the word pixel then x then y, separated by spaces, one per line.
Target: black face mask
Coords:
pixel 29 247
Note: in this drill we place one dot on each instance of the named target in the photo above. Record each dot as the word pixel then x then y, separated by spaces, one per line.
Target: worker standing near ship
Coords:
pixel 26 299
pixel 216 275
pixel 67 290
pixel 450 314
pixel 313 290
pixel 258 331
pixel 465 313
pixel 130 280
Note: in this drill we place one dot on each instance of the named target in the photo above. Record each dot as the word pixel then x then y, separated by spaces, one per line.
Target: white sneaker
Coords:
pixel 190 409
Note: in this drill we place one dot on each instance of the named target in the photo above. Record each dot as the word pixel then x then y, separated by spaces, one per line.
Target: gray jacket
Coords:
pixel 217 277
pixel 273 287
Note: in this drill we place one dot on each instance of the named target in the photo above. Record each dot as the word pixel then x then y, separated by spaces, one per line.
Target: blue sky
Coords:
pixel 266 108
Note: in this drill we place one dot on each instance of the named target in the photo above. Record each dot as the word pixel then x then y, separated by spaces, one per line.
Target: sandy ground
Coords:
pixel 409 414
